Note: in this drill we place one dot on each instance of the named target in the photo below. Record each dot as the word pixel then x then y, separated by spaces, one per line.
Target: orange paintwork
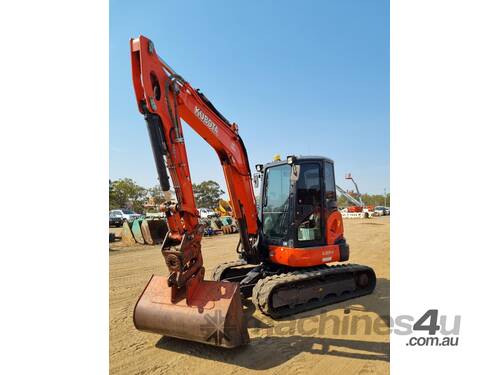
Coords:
pixel 312 256
pixel 334 227
pixel 148 71
pixel 304 257
pixel 354 209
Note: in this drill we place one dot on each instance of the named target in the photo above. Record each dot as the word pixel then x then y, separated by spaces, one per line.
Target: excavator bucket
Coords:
pixel 214 315
pixel 127 237
pixel 136 231
pixel 154 231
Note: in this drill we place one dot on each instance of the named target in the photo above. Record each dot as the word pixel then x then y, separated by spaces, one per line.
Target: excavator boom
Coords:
pixel 183 303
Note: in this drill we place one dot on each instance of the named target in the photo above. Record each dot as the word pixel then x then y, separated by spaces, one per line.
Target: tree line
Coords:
pixel 368 200
pixel 126 193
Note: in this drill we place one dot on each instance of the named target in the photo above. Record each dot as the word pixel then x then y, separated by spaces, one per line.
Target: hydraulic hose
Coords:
pixel 159 147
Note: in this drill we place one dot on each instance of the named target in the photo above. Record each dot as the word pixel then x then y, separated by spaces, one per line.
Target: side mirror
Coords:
pixel 256 179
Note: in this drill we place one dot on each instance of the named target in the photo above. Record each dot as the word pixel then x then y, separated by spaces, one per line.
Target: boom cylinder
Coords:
pixel 159 147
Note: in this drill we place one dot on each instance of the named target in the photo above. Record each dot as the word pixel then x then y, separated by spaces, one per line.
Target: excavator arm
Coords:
pixel 164 98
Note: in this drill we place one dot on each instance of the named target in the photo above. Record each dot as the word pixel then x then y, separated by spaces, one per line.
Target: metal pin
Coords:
pixel 152 103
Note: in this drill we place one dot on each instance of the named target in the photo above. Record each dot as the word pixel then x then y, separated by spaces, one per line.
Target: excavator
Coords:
pixel 224 208
pixel 286 243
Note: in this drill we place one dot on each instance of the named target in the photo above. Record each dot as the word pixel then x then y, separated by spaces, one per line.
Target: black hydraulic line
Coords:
pixel 159 147
pixel 212 107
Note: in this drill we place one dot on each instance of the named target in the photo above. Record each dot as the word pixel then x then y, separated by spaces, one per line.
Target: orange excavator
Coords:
pixel 285 243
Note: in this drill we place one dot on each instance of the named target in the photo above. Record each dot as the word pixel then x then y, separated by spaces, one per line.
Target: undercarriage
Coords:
pixel 282 291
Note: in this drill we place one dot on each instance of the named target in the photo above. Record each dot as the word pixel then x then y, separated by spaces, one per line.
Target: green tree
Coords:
pixel 157 194
pixel 207 194
pixel 125 193
pixel 112 193
pixel 368 200
pixel 342 201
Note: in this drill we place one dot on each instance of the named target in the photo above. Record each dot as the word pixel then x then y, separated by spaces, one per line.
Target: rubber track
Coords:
pixel 262 292
pixel 217 273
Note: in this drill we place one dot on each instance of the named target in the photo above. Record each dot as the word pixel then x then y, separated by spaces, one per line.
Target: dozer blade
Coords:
pixel 214 316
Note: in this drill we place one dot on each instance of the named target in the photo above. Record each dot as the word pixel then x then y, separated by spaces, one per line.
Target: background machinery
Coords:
pixel 358 209
pixel 285 243
pixel 224 208
pixel 348 176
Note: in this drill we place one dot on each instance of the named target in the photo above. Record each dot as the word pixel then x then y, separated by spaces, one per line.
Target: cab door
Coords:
pixel 309 210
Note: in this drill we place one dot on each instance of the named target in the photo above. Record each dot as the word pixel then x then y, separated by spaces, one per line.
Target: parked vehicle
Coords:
pixel 115 220
pixel 206 213
pixel 381 210
pixel 125 214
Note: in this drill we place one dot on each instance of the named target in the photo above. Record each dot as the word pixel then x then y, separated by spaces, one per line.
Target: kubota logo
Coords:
pixel 204 118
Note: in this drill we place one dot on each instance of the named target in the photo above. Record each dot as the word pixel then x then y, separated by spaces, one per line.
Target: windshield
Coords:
pixel 275 202
pixel 128 212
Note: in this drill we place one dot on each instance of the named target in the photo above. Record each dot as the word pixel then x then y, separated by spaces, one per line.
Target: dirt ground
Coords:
pixel 350 337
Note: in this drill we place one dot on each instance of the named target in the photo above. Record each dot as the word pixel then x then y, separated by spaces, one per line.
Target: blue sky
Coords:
pixel 303 78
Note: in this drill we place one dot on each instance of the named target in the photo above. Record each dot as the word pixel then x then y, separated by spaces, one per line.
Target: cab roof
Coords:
pixel 299 158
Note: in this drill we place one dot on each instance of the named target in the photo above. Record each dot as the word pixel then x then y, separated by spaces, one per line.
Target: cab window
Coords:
pixel 330 190
pixel 276 201
pixel 309 202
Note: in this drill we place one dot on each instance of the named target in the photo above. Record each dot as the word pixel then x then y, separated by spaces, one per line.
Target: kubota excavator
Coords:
pixel 285 243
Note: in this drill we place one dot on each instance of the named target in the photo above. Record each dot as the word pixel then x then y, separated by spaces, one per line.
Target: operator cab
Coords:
pixel 296 197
